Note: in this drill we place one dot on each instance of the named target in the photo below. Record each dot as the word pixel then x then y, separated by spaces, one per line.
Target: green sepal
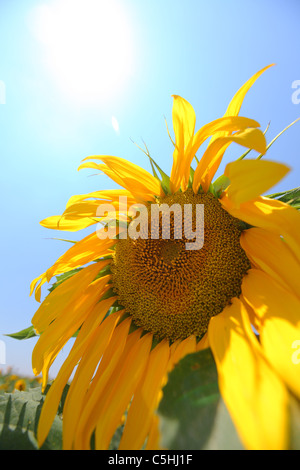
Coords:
pixel 291 197
pixel 212 190
pixel 220 184
pixel 64 240
pixel 278 135
pixel 165 179
pixel 63 277
pixel 108 294
pixel 104 272
pixel 30 332
pixel 23 334
pixel 249 150
pixel 191 179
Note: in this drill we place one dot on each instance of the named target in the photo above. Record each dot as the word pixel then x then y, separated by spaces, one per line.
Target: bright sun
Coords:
pixel 88 45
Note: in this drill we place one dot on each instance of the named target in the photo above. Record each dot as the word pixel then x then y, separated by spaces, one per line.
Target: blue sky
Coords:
pixel 67 71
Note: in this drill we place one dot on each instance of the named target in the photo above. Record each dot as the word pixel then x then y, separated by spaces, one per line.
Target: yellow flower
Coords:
pixel 20 385
pixel 12 377
pixel 141 304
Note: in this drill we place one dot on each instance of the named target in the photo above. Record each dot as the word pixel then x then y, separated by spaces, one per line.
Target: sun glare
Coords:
pixel 88 45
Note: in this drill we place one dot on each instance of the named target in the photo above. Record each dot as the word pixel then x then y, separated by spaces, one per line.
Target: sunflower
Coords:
pixel 20 385
pixel 137 305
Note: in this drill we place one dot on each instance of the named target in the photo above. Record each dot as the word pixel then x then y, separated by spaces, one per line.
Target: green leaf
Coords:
pixel 192 413
pixel 291 197
pixel 19 415
pixel 23 334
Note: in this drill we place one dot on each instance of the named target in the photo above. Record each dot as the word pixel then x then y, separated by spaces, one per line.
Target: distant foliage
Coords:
pixel 9 381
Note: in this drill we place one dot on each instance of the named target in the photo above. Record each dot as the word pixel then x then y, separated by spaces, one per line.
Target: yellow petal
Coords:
pixel 203 343
pixel 254 395
pixel 184 120
pixel 271 254
pixel 154 435
pixel 107 194
pixel 122 391
pixel 86 369
pixel 67 292
pixel 84 209
pixel 106 377
pixel 84 251
pixel 63 327
pixel 145 399
pixel 251 178
pixel 278 312
pixel 212 157
pixel 276 216
pixel 133 177
pixel 184 347
pixel 228 123
pixel 57 222
pixel 46 352
pixel 104 168
pixel 36 286
pixel 237 101
pixel 85 335
pixel 72 412
pixel 91 209
pixel 137 189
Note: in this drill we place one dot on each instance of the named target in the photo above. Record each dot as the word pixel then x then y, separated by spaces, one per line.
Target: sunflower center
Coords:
pixel 170 251
pixel 173 291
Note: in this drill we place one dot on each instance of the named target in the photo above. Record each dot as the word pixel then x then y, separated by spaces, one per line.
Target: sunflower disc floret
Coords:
pixel 172 291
